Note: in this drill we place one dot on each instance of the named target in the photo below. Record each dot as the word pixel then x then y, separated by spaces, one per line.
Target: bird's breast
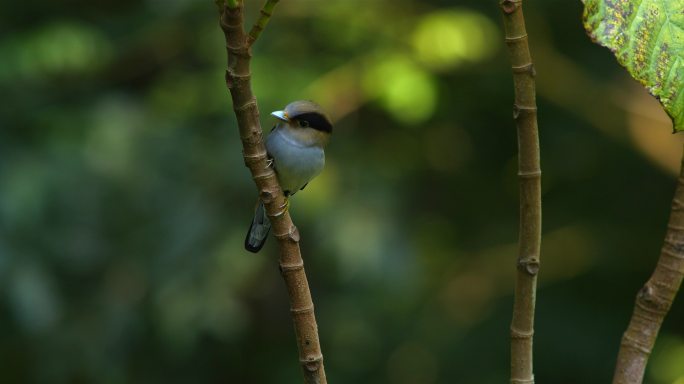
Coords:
pixel 295 164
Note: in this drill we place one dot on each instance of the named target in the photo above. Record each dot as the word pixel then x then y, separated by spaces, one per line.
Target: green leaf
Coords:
pixel 647 37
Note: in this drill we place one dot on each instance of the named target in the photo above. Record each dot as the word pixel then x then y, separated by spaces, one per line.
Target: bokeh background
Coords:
pixel 124 200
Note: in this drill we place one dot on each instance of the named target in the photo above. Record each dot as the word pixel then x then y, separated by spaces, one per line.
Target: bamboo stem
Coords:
pixel 655 298
pixel 238 81
pixel 264 17
pixel 529 173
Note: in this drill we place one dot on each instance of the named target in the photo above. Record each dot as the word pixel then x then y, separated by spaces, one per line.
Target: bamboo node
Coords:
pixel 661 284
pixel 644 316
pixel 277 214
pixel 635 344
pixel 518 334
pixel 232 78
pixel 510 6
pixel 672 253
pixel 520 109
pixel 252 103
pixel 527 68
pixel 291 267
pixel 650 312
pixel 673 248
pixel 267 196
pixel 299 311
pixel 523 381
pixel 670 268
pixel 263 176
pixel 251 136
pixel 229 79
pixel 291 235
pixel 648 300
pixel 239 77
pixel 311 362
pixel 529 265
pixel 514 39
pixel 235 49
pixel 529 175
pixel 225 23
pixel 255 158
pixel 675 226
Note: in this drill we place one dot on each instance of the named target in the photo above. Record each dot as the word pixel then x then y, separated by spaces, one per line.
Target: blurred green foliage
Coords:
pixel 124 200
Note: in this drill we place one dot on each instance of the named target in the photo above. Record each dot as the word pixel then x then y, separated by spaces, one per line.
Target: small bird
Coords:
pixel 295 149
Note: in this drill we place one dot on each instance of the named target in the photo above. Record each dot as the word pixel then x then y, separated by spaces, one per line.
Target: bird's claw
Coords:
pixel 269 163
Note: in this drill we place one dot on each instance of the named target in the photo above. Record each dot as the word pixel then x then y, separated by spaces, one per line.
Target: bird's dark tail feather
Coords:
pixel 258 230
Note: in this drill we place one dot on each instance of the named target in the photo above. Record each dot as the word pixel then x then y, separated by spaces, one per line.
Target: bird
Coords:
pixel 295 148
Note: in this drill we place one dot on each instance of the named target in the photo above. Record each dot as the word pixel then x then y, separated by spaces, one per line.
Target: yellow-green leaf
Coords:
pixel 647 37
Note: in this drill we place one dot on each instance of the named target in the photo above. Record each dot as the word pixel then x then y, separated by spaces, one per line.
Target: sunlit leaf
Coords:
pixel 647 37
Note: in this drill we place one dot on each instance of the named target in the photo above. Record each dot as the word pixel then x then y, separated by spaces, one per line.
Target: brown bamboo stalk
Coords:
pixel 529 173
pixel 655 298
pixel 238 80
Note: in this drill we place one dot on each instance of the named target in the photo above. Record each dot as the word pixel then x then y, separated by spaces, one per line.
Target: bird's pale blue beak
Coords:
pixel 281 115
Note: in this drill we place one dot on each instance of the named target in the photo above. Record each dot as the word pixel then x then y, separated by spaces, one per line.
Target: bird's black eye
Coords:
pixel 304 123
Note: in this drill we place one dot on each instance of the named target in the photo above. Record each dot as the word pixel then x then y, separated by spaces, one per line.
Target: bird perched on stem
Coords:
pixel 295 149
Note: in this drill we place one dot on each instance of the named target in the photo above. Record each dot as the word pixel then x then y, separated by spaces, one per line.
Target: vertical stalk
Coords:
pixel 238 80
pixel 655 298
pixel 529 173
pixel 260 25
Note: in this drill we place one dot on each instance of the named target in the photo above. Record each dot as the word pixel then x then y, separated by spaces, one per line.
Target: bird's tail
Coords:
pixel 258 231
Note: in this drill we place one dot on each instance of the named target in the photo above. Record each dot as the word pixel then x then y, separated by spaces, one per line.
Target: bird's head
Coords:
pixel 307 121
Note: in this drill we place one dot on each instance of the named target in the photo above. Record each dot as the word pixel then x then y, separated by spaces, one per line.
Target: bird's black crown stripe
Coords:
pixel 316 121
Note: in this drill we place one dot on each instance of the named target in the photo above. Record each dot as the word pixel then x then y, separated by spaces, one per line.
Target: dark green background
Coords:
pixel 124 199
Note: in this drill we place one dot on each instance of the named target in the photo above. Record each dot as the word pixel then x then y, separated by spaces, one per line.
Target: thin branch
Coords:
pixel 238 80
pixel 260 24
pixel 529 173
pixel 655 298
